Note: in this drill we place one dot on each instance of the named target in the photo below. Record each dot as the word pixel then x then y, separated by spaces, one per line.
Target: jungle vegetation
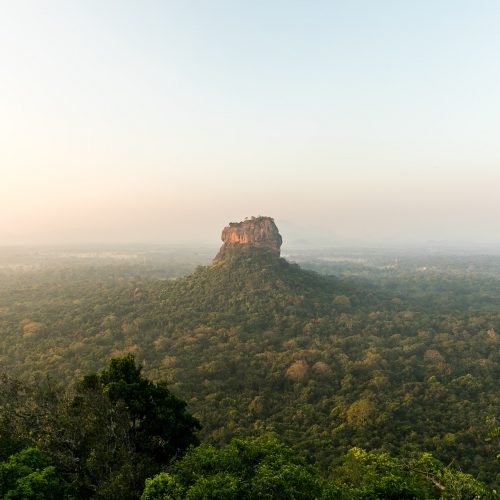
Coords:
pixel 400 361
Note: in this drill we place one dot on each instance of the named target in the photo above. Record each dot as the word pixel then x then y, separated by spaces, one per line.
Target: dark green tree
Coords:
pixel 159 424
pixel 104 437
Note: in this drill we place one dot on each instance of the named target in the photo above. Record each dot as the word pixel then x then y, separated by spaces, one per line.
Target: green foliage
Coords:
pixel 494 436
pixel 150 427
pixel 164 486
pixel 243 469
pixel 265 468
pixel 371 475
pixel 105 436
pixel 379 475
pixel 29 475
pixel 220 486
pixel 409 362
pixel 159 424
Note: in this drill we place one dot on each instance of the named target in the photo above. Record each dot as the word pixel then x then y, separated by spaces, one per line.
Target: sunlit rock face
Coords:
pixel 256 232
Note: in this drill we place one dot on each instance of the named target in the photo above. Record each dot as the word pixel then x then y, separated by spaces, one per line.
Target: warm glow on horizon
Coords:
pixel 161 122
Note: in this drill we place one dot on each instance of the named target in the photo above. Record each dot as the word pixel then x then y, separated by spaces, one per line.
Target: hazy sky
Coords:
pixel 149 121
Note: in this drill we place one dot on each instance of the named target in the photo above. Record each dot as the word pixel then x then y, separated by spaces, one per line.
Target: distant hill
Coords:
pixel 253 288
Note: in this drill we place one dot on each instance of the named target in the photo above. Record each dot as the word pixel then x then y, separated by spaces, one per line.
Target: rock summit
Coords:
pixel 255 232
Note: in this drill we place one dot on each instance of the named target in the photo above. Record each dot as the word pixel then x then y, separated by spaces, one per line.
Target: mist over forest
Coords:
pixel 356 367
pixel 249 250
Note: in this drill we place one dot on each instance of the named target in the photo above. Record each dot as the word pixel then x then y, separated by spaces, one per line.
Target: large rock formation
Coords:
pixel 256 232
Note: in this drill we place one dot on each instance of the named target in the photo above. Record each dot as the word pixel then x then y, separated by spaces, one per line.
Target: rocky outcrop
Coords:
pixel 256 232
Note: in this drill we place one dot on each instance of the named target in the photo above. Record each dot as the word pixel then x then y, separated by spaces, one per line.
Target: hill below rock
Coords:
pixel 255 290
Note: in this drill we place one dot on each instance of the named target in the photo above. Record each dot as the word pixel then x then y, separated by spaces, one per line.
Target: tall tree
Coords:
pixel 159 424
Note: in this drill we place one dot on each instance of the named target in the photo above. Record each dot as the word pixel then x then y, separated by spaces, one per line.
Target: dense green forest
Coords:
pixel 399 359
pixel 118 435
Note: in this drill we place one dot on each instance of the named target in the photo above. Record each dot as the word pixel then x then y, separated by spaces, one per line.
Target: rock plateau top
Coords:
pixel 255 232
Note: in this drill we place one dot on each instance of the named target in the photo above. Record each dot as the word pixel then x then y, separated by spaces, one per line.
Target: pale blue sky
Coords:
pixel 354 120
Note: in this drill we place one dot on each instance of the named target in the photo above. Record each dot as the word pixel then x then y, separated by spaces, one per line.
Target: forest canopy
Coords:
pixel 391 359
pixel 118 435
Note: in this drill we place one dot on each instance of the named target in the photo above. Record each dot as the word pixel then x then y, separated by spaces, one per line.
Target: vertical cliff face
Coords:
pixel 256 232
